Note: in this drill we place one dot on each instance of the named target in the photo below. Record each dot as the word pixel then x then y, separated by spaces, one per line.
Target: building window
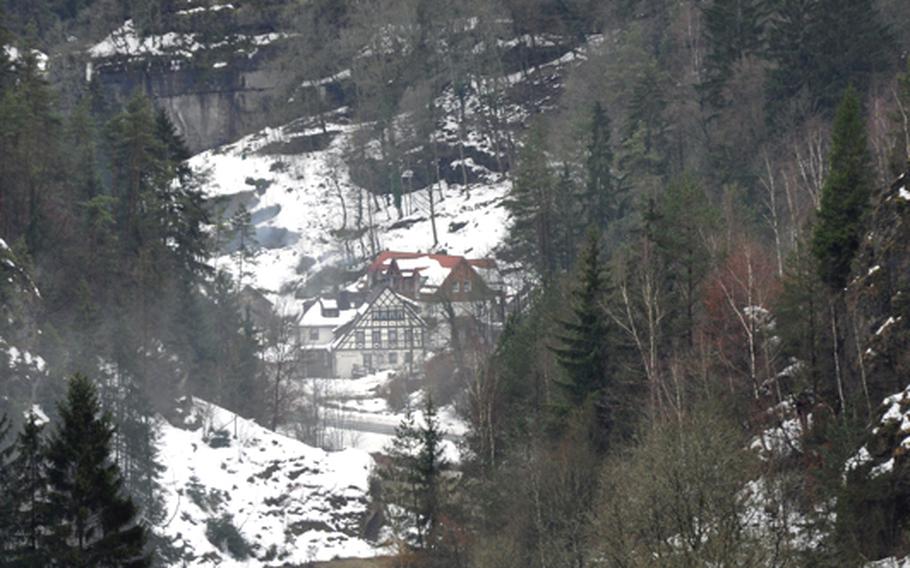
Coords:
pixel 393 358
pixel 359 339
pixel 456 286
pixel 418 338
pixel 409 338
pixel 368 360
pixel 314 334
pixel 377 338
pixel 466 286
pixel 408 357
pixel 393 338
pixel 378 358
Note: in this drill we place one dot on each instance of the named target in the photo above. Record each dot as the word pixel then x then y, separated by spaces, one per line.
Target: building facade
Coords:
pixel 387 333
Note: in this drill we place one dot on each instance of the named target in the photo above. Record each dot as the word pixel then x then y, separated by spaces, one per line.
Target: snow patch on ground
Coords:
pixel 358 415
pixel 892 562
pixel 295 201
pixel 291 502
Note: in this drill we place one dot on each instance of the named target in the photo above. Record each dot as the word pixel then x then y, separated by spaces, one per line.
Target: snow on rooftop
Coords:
pixel 432 272
pixel 314 317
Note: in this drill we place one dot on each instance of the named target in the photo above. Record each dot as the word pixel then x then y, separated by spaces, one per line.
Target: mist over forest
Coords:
pixel 470 284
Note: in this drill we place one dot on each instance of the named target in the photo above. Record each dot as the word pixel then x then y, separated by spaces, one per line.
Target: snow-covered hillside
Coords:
pixel 296 204
pixel 310 215
pixel 289 503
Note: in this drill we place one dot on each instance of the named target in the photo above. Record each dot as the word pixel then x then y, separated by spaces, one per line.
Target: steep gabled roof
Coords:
pixel 314 317
pixel 433 269
pixel 344 331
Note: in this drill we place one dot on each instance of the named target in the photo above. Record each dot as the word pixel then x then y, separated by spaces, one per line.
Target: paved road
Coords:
pixel 375 424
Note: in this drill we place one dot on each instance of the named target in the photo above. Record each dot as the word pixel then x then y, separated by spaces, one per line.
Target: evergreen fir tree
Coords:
pixel 234 363
pixel 532 205
pixel 605 202
pixel 733 30
pixel 845 195
pixel 92 523
pixel 30 489
pixel 645 144
pixel 820 47
pixel 430 464
pixel 183 204
pixel 568 232
pixel 401 477
pixel 584 340
pixel 677 224
pixel 414 473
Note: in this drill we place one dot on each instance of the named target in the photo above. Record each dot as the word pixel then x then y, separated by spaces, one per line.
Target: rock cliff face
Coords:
pixel 217 69
pixel 879 294
pixel 877 487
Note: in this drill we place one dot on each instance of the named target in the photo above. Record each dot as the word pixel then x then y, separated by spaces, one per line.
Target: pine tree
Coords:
pixel 567 210
pixel 430 464
pixel 645 144
pixel 820 47
pixel 532 205
pixel 184 213
pixel 845 195
pixel 414 473
pixel 30 490
pixel 604 192
pixel 678 225
pixel 584 340
pixel 734 31
pixel 92 524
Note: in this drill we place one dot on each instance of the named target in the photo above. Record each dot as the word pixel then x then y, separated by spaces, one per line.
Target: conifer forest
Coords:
pixel 455 284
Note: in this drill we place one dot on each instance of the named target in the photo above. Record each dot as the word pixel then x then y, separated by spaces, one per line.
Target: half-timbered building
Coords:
pixel 455 294
pixel 388 332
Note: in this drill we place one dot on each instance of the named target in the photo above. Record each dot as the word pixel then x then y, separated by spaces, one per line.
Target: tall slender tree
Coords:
pixel 604 192
pixel 845 195
pixel 734 30
pixel 532 204
pixel 583 340
pixel 30 488
pixel 92 524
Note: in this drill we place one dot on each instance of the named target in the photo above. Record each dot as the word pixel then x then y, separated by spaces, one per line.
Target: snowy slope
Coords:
pixel 295 201
pixel 290 502
pixel 296 183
